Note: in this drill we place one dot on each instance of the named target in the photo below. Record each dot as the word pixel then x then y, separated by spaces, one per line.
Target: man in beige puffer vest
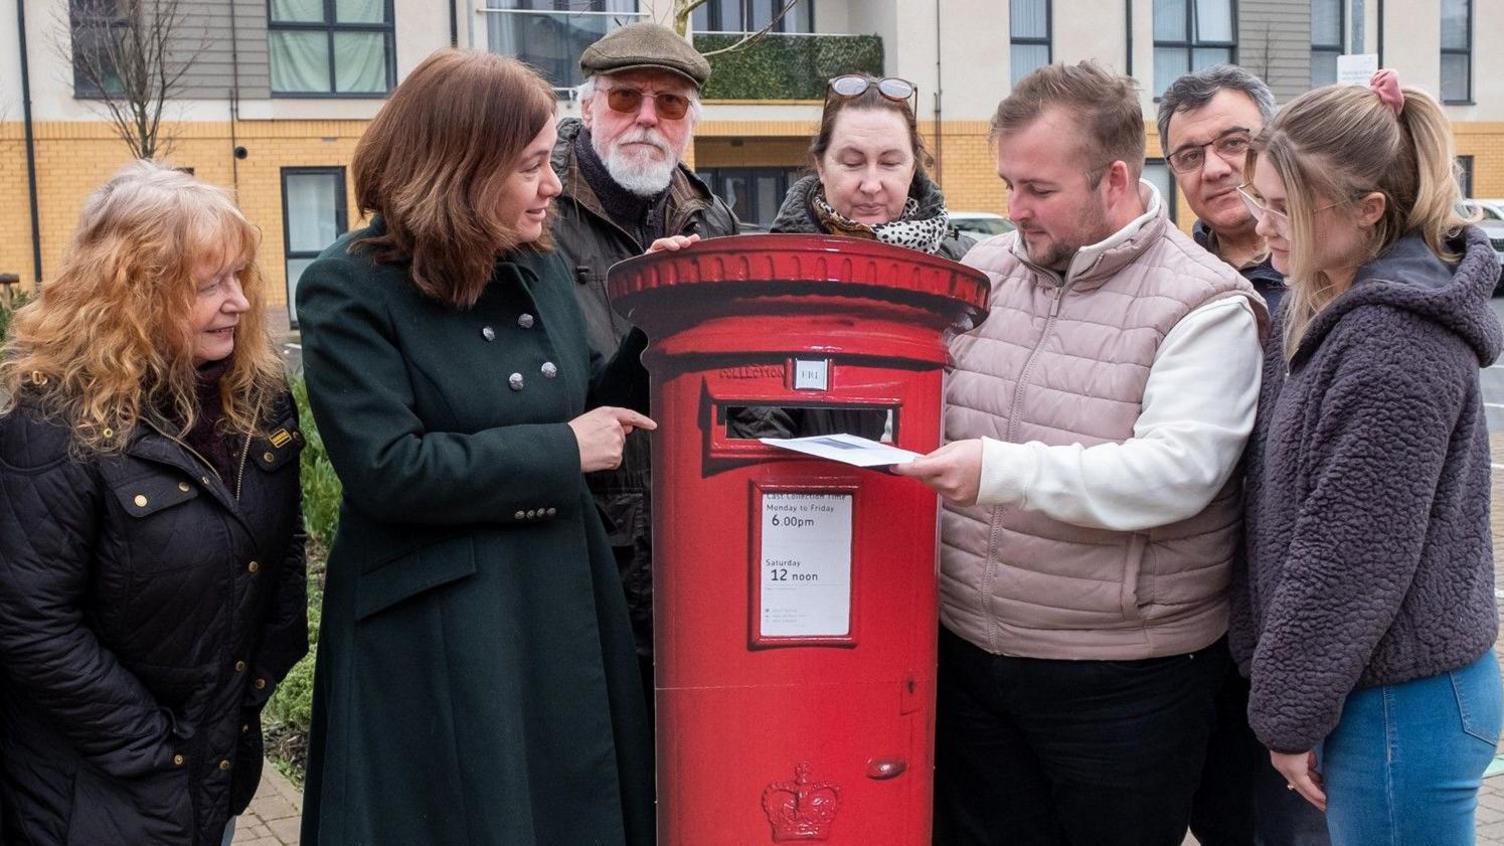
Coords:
pixel 1095 421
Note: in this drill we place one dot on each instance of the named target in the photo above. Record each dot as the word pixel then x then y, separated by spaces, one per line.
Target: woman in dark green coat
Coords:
pixel 476 681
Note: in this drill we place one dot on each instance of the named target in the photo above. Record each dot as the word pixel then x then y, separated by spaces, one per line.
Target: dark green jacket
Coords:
pixel 476 682
pixel 589 243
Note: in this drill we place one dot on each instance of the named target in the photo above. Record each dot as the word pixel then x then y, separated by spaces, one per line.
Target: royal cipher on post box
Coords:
pixel 795 598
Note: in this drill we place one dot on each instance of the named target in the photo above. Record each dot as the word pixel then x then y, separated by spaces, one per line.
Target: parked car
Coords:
pixel 980 225
pixel 1491 213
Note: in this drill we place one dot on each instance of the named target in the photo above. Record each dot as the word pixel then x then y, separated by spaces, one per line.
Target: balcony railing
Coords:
pixel 549 41
pixel 785 66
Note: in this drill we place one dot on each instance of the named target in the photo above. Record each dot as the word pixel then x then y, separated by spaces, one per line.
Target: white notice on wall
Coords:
pixel 806 565
pixel 1357 68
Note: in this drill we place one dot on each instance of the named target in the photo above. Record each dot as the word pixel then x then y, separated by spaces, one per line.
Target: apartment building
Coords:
pixel 276 92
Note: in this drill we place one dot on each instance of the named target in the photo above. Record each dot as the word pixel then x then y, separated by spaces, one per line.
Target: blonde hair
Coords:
pixel 1340 143
pixel 109 344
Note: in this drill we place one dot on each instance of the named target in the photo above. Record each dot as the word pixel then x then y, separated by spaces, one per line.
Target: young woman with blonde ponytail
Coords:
pixel 1367 614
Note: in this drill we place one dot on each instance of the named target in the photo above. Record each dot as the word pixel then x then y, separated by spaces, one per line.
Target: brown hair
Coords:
pixel 1105 105
pixel 433 163
pixel 1340 143
pixel 110 344
pixel 869 99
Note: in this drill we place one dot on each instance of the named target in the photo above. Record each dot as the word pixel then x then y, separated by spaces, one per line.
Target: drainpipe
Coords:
pixel 454 25
pixel 234 101
pixel 31 148
pixel 939 133
pixel 1357 42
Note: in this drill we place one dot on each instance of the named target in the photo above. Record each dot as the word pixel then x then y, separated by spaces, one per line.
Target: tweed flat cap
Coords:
pixel 645 46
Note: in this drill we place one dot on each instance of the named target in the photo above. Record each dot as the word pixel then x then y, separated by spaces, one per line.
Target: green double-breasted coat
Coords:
pixel 476 682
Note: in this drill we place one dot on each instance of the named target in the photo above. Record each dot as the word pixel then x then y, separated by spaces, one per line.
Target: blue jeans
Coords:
pixel 1405 763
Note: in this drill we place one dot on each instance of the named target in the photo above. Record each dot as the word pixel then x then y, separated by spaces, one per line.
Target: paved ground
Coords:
pixel 272 819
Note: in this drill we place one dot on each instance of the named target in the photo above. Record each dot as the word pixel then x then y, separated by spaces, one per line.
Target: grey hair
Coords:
pixel 586 90
pixel 1195 90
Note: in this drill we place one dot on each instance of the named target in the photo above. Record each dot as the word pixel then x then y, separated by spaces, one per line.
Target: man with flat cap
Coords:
pixel 624 188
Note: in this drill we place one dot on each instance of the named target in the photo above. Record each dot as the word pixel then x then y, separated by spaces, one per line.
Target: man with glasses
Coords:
pixel 1207 121
pixel 624 186
pixel 1095 423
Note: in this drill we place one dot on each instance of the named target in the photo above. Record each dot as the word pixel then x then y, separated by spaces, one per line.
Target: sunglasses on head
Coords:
pixel 628 100
pixel 854 85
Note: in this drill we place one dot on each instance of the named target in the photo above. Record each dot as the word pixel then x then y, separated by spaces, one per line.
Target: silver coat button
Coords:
pixel 488 333
pixel 525 321
pixel 551 511
pixel 519 515
pixel 515 381
pixel 549 370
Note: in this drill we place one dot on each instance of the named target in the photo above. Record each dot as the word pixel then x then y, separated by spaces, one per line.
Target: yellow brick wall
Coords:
pixel 75 158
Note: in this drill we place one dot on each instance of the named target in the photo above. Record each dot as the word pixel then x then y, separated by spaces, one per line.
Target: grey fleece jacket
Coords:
pixel 1369 556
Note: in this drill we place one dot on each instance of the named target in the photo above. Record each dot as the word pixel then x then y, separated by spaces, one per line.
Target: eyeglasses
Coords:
pixel 854 85
pixel 1231 146
pixel 628 100
pixel 1259 210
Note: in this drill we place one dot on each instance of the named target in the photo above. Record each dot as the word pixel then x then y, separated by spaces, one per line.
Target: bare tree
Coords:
pixel 130 56
pixel 684 8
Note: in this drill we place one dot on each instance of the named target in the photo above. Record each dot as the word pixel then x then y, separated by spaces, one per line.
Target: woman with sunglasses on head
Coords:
pixel 869 179
pixel 476 681
pixel 1367 616
pixel 152 587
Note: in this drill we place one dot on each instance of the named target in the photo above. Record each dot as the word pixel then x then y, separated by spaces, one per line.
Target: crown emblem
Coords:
pixel 799 810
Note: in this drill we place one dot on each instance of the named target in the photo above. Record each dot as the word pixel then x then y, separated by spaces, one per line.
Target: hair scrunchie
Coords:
pixel 1386 84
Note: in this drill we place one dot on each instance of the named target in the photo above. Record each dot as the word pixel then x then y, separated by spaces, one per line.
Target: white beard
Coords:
pixel 642 176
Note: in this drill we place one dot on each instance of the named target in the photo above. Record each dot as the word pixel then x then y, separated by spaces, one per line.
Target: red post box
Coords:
pixel 795 599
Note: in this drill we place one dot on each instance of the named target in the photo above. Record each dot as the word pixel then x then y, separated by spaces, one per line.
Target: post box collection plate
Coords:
pixel 803 566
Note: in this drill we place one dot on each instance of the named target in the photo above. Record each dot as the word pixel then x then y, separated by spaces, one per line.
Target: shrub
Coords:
pixel 18 299
pixel 290 711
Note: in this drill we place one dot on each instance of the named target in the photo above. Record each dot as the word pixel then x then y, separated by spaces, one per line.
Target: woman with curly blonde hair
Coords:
pixel 151 545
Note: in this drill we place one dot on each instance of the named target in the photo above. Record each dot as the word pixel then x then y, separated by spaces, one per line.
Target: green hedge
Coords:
pixel 18 300
pixel 786 67
pixel 290 711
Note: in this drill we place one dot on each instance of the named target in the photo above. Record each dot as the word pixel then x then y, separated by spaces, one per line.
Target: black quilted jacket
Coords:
pixel 147 610
pixel 1370 560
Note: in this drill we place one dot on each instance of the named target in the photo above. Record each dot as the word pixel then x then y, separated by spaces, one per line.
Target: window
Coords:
pixel 1456 51
pixel 753 15
pixel 1464 171
pixel 550 35
pixel 1328 20
pixel 331 48
pixel 313 215
pixel 98 30
pixel 1029 25
pixel 1190 35
pixel 754 193
pixel 1157 171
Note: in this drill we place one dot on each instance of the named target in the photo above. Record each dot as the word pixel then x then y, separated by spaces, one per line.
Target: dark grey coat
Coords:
pixel 796 215
pixel 1369 555
pixel 588 242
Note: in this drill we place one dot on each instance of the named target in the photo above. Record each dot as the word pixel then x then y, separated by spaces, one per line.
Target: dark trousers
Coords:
pixel 1242 800
pixel 1033 752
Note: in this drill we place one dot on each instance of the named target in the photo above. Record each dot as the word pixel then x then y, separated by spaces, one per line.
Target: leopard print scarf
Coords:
pixel 923 234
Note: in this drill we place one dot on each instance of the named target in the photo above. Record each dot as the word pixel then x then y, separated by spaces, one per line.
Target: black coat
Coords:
pixel 589 243
pixel 476 682
pixel 147 611
pixel 1369 554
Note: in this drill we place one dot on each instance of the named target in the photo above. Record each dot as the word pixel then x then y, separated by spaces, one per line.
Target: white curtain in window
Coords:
pixel 1205 57
pixel 1454 24
pixel 1213 20
pixel 297 11
pixel 1024 59
pixel 312 211
pixel 299 60
pixel 1158 174
pixel 1326 22
pixel 1455 70
pixel 360 11
pixel 501 30
pixel 1170 63
pixel 360 62
pixel 1170 20
pixel 1323 67
pixel 1029 18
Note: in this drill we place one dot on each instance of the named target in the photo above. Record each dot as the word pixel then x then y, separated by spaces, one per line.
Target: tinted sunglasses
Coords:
pixel 854 85
pixel 629 100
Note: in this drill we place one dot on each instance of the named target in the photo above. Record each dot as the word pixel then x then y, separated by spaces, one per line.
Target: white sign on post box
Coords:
pixel 805 564
pixel 811 375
